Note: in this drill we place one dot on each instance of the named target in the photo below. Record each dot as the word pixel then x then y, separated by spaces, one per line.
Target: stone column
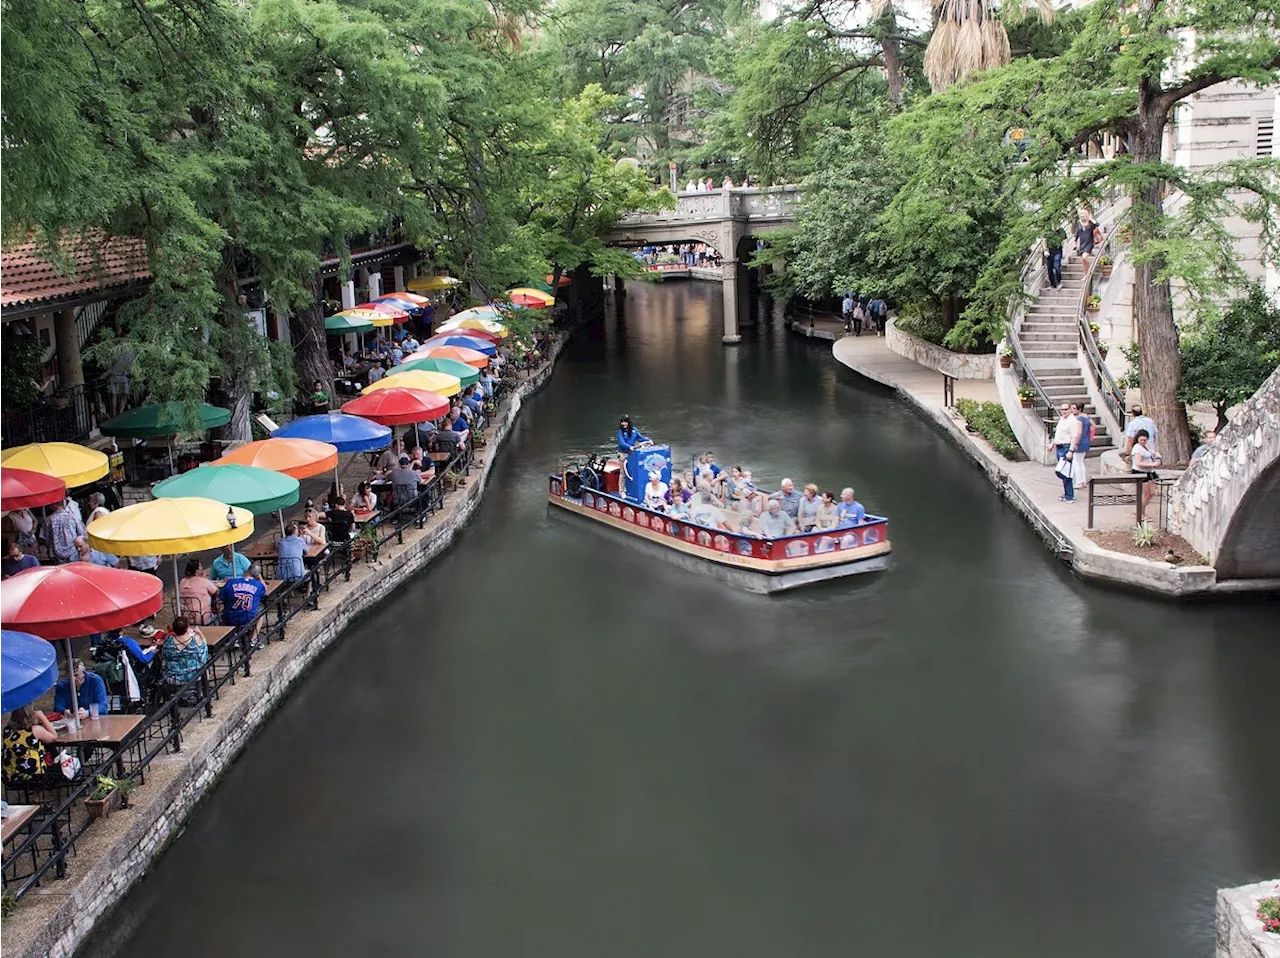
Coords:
pixel 729 290
pixel 375 285
pixel 66 338
pixel 397 279
pixel 348 294
pixel 362 279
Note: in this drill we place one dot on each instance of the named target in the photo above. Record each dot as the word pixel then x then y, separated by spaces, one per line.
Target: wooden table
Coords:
pixel 104 730
pixel 266 549
pixel 16 820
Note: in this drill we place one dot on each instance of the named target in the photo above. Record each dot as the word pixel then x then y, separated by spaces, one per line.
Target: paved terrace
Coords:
pixel 1030 487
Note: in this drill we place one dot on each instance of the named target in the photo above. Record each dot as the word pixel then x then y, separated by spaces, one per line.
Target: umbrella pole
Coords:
pixel 177 606
pixel 71 680
pixel 280 513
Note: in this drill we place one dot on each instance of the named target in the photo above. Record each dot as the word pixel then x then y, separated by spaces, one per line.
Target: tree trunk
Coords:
pixel 310 355
pixel 891 52
pixel 1154 328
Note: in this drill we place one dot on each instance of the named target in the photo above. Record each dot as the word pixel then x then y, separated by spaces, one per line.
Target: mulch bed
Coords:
pixel 1121 540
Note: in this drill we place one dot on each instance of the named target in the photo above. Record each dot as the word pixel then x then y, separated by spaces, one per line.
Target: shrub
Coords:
pixel 989 420
pixel 1144 534
pixel 924 321
pixel 1269 914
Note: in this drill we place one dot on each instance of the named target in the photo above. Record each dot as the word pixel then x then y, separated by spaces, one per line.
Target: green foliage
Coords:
pixel 926 322
pixel 103 787
pixel 989 420
pixel 1143 534
pixel 1225 359
pixel 20 383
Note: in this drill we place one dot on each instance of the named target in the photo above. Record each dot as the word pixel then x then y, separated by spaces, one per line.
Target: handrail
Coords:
pixel 1112 395
pixel 1042 404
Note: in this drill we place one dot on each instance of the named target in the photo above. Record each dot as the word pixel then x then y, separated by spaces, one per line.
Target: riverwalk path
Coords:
pixel 1030 487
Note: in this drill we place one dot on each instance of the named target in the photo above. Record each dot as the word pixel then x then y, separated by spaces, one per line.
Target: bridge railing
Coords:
pixel 736 203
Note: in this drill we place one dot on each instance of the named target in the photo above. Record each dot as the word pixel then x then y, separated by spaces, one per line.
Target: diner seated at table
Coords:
pixel 228 564
pixel 183 653
pixel 312 528
pixel 335 490
pixel 28 760
pixel 242 599
pixel 365 499
pixel 15 560
pixel 377 371
pixel 340 521
pixel 390 457
pixel 404 482
pixel 89 689
pixel 196 592
pixel 86 554
pixel 289 554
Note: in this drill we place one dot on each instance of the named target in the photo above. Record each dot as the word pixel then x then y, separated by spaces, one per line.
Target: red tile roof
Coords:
pixel 98 261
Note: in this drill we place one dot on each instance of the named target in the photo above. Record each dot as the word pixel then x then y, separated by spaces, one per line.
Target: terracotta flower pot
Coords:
pixel 1105 270
pixel 1006 362
pixel 103 807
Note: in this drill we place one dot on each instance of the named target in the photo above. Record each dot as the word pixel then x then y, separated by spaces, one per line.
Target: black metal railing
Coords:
pixel 1112 395
pixel 69 415
pixel 52 839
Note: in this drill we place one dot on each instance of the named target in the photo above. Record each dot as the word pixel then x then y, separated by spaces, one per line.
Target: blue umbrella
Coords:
pixel 28 669
pixel 467 342
pixel 348 433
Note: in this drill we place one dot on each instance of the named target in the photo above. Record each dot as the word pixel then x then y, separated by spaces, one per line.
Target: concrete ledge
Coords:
pixel 955 365
pixel 55 919
pixel 1239 932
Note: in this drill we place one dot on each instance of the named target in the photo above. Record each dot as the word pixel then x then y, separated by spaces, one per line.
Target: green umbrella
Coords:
pixel 340 325
pixel 258 490
pixel 165 419
pixel 433 364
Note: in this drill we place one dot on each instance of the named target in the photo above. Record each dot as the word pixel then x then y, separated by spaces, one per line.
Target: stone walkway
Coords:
pixel 1030 487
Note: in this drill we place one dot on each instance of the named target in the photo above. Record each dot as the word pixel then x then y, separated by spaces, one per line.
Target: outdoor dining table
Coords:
pixel 106 731
pixel 265 549
pixel 18 817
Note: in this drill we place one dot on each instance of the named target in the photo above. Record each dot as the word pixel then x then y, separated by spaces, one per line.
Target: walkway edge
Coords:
pixel 158 818
pixel 1085 558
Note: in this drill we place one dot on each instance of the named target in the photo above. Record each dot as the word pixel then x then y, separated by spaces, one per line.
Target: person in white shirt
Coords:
pixel 655 493
pixel 1066 435
pixel 1145 460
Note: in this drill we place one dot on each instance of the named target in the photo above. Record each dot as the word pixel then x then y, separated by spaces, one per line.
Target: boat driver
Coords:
pixel 629 437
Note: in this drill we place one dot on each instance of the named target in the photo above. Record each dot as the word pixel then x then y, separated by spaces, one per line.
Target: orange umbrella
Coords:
pixel 463 355
pixel 300 458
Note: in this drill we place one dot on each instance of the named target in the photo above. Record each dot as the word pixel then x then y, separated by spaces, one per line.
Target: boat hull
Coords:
pixel 773 565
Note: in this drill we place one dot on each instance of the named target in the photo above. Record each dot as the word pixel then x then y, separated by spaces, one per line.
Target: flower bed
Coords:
pixel 988 420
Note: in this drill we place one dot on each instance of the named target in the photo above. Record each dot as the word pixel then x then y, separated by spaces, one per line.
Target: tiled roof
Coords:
pixel 98 261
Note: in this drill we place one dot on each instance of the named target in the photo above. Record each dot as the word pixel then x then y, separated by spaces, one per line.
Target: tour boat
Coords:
pixel 611 492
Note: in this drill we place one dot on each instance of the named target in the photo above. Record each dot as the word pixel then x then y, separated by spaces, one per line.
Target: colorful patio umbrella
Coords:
pixel 441 364
pixel 431 283
pixel 477 312
pixel 165 419
pixel 74 465
pixel 248 487
pixel 396 311
pixel 402 297
pixel 460 354
pixel 339 325
pixel 300 458
pixel 24 489
pixel 564 280
pixel 170 527
pixel 372 316
pixel 440 383
pixel 78 598
pixel 468 331
pixel 398 406
pixel 466 342
pixel 489 329
pixel 344 432
pixel 531 293
pixel 28 669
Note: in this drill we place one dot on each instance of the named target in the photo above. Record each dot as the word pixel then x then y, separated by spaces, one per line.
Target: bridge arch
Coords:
pixel 1227 504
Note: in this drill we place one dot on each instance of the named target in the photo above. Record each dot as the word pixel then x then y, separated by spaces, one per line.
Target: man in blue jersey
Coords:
pixel 242 602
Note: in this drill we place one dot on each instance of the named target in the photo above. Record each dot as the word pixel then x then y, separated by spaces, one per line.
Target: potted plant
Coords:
pixel 123 787
pixel 1094 329
pixel 103 799
pixel 1005 352
pixel 1102 349
pixel 1027 395
pixel 1105 265
pixel 1093 304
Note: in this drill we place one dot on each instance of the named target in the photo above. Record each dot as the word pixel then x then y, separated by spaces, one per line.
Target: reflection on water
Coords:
pixel 548 745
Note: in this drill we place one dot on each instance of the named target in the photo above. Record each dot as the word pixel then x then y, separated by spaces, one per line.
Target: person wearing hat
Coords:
pixel 629 437
pixel 404 482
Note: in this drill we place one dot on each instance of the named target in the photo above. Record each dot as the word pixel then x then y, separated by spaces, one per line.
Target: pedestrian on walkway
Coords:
pixel 1053 253
pixel 1085 236
pixel 1066 435
pixel 846 311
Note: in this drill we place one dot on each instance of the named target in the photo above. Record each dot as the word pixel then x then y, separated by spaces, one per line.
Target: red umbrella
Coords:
pixel 388 309
pixel 527 301
pixel 478 334
pixel 22 489
pixel 79 598
pixel 396 406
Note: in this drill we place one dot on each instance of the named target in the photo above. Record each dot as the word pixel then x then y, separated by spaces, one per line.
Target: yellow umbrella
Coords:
pixel 441 383
pixel 74 465
pixel 429 283
pixel 375 317
pixel 543 295
pixel 169 527
pixel 485 325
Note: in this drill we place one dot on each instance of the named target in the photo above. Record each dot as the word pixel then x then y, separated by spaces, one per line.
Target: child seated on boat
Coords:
pixel 678 490
pixel 677 509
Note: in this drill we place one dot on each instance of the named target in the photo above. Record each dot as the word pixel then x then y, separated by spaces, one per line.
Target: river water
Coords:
pixel 546 745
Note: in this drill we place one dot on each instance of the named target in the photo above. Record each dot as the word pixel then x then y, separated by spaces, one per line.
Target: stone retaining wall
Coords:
pixel 55 919
pixel 956 365
pixel 1239 932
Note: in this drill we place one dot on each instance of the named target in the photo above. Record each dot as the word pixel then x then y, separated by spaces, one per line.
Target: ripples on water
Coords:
pixel 547 745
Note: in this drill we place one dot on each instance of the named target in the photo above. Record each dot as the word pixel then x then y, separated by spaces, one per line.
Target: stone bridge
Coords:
pixel 723 219
pixel 1227 504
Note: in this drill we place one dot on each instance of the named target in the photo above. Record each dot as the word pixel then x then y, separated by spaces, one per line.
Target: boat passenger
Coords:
pixel 655 493
pixel 708 470
pixel 678 490
pixel 629 437
pixel 788 497
pixel 849 510
pixel 677 508
pixel 705 509
pixel 748 524
pixel 775 522
pixel 732 482
pixel 828 514
pixel 807 514
pixel 750 500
